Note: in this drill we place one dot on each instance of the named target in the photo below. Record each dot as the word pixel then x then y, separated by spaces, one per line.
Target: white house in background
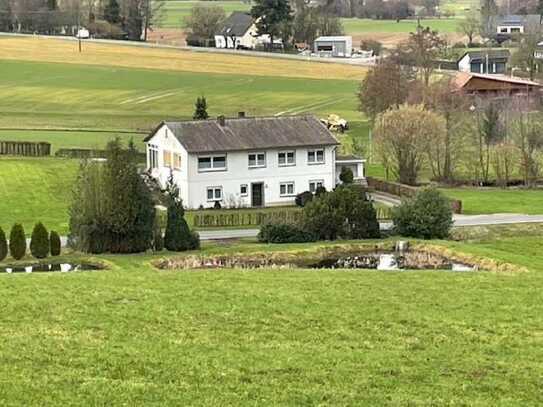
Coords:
pixel 246 162
pixel 239 31
pixel 339 46
pixel 517 24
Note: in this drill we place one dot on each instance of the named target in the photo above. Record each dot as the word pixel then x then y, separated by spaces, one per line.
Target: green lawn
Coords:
pixel 33 190
pixel 492 200
pixel 134 335
pixel 174 11
pixel 357 26
pixel 111 98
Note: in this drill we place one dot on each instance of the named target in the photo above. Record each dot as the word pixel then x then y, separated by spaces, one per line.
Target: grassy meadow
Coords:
pixel 135 335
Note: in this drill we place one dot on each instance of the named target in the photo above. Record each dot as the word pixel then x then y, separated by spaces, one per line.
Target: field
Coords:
pixel 174 11
pixel 134 335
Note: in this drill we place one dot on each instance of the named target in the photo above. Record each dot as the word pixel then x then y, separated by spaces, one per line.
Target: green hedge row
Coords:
pixel 86 153
pixel 245 218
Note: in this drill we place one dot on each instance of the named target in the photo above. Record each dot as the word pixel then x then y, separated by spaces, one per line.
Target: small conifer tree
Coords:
pixel 54 243
pixel 200 112
pixel 3 245
pixel 39 243
pixel 346 176
pixel 17 242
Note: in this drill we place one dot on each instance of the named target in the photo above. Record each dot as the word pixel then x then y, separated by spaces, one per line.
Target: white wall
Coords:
pixel 464 64
pixel 238 173
pixel 249 40
pixel 165 140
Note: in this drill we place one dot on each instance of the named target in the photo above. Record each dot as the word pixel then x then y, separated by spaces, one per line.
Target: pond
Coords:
pixel 50 268
pixel 377 259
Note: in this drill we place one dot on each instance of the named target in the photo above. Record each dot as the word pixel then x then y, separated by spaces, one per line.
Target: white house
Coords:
pixel 517 24
pixel 239 31
pixel 339 46
pixel 246 162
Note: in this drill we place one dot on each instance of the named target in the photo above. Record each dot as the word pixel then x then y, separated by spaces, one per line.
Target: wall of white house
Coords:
pixel 249 40
pixel 238 173
pixel 510 29
pixel 464 64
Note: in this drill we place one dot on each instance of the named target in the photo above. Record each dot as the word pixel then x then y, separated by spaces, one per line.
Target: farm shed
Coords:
pixel 334 46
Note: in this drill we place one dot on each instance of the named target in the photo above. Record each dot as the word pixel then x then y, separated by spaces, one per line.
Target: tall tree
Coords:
pixel 385 85
pixel 402 136
pixel 271 17
pixel 421 50
pixel 204 21
pixel 469 27
pixel 200 109
pixel 112 12
pixel 6 16
pixel 524 57
pixel 489 10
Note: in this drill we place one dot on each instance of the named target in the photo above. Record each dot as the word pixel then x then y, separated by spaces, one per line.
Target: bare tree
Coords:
pixel 469 27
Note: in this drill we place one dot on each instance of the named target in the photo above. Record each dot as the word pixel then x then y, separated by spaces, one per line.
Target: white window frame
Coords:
pixel 152 151
pixel 256 154
pixel 315 182
pixel 246 193
pixel 286 184
pixel 287 163
pixel 212 163
pixel 315 152
pixel 214 189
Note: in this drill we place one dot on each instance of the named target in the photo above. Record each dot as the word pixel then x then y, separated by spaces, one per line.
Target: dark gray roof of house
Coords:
pixel 250 133
pixel 348 157
pixel 236 24
pixel 492 54
pixel 514 19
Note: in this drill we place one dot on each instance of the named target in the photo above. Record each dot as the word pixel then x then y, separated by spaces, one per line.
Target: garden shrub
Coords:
pixel 303 198
pixel 17 242
pixel 427 216
pixel 346 176
pixel 3 245
pixel 39 242
pixel 284 233
pixel 54 243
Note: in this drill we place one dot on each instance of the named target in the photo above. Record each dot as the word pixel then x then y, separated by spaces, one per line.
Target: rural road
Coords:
pixel 459 221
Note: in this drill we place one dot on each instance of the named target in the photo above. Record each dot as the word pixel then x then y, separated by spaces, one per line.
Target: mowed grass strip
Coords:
pixel 132 56
pixel 134 335
pixel 106 97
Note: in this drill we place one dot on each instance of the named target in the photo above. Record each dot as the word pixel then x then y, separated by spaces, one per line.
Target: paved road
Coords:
pixel 459 221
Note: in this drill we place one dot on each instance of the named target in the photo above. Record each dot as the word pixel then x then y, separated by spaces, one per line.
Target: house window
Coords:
pixel 325 48
pixel 257 160
pixel 243 190
pixel 167 158
pixel 153 156
pixel 212 163
pixel 313 185
pixel 214 194
pixel 286 189
pixel 286 158
pixel 503 30
pixel 315 156
pixel 515 30
pixel 176 161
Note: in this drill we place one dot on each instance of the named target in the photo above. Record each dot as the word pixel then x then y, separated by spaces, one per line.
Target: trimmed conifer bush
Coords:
pixel 158 240
pixel 54 243
pixel 39 242
pixel 3 245
pixel 346 176
pixel 17 242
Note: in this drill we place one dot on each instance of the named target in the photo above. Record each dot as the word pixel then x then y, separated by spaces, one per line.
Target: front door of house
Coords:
pixel 257 194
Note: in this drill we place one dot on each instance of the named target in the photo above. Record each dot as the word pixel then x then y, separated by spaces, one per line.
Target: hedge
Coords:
pixel 25 148
pixel 86 153
pixel 245 218
pixel 402 190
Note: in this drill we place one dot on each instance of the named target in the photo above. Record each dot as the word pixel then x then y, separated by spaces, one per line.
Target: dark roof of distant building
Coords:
pixel 237 24
pixel 461 79
pixel 249 133
pixel 519 20
pixel 492 54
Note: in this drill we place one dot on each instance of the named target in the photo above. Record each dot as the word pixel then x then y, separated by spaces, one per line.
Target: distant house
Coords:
pixel 495 85
pixel 259 161
pixel 340 46
pixel 482 62
pixel 516 24
pixel 239 32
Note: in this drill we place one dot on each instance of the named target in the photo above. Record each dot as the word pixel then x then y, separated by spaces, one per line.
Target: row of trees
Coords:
pixel 113 210
pixel 109 18
pixel 42 243
pixel 431 127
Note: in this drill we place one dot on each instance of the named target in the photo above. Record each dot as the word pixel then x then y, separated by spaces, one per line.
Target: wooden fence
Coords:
pixel 25 148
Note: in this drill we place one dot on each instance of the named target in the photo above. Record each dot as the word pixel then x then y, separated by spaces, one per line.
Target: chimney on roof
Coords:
pixel 241 115
pixel 221 120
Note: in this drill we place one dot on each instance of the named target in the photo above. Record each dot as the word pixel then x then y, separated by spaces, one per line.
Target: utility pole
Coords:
pixel 79 24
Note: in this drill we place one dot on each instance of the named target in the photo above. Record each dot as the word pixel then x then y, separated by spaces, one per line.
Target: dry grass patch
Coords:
pixel 131 56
